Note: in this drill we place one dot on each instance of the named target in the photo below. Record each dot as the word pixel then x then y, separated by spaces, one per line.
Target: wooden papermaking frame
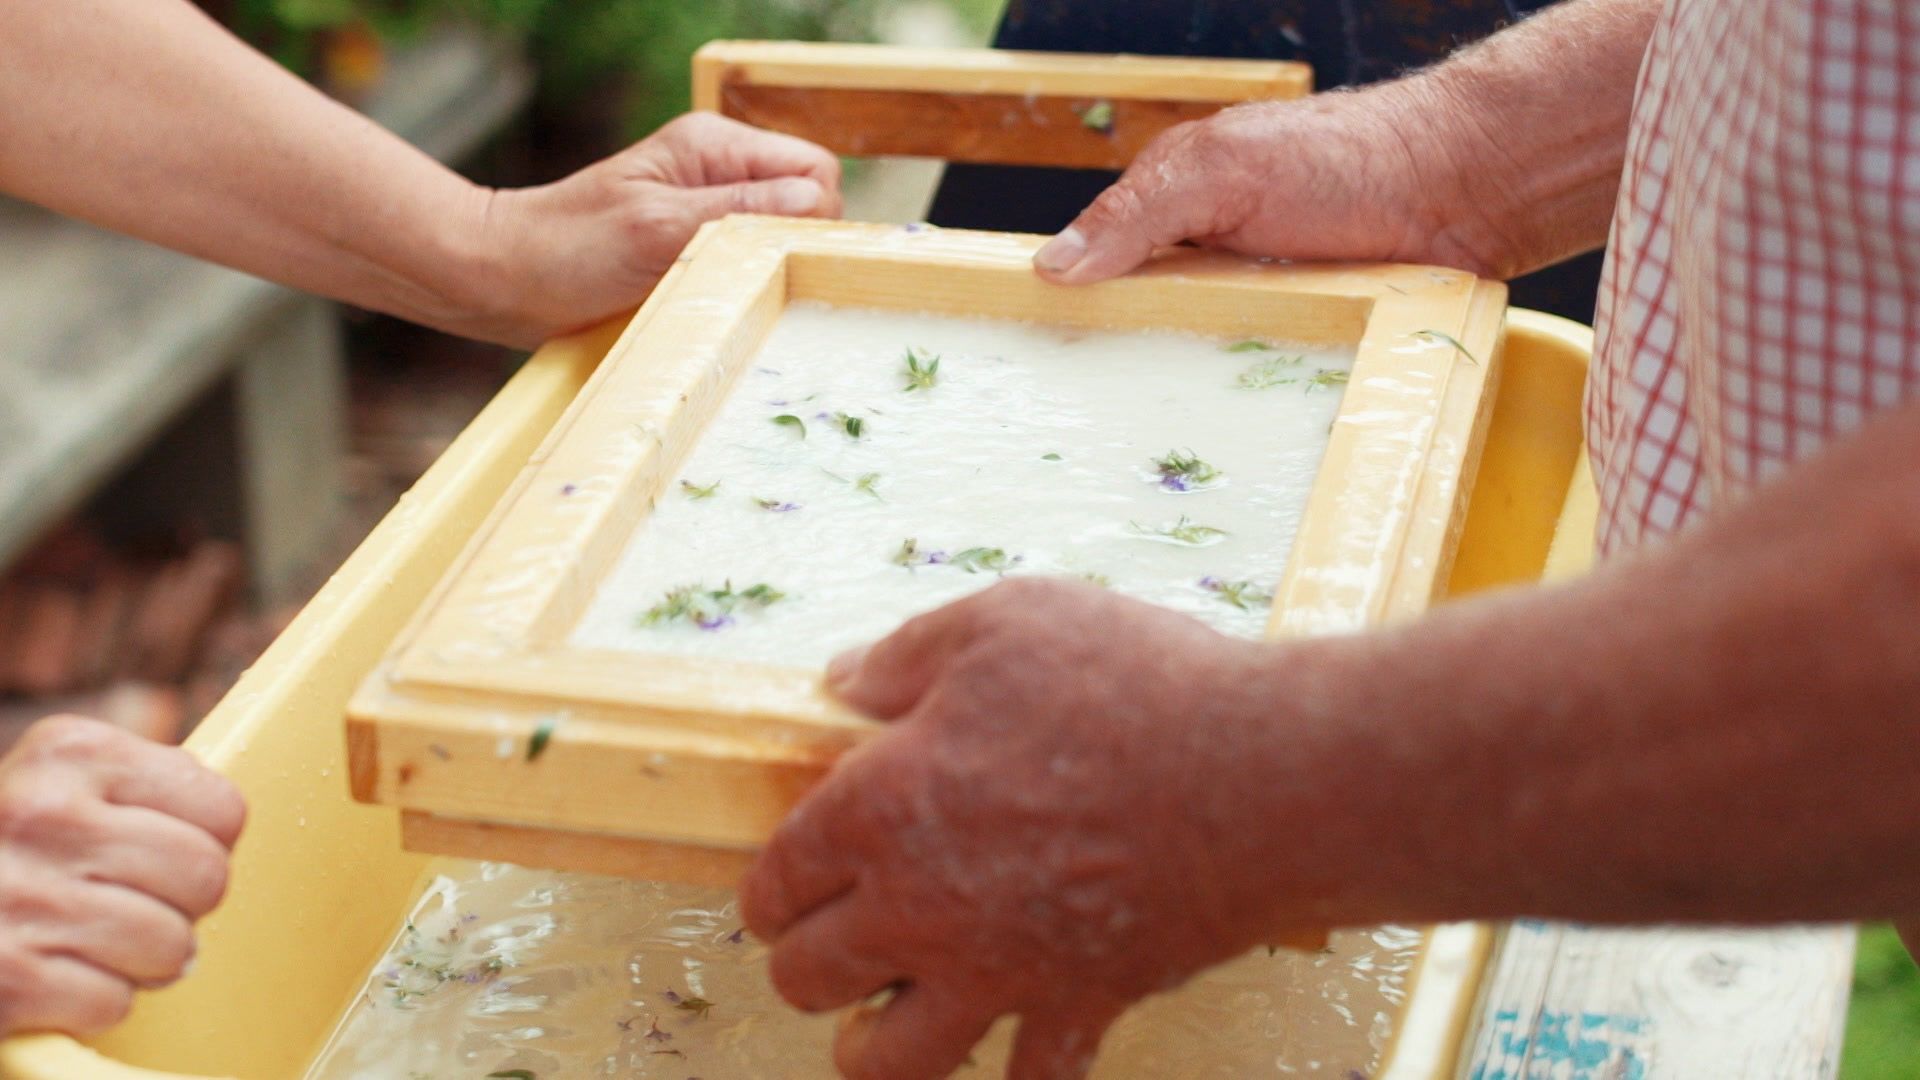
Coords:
pixel 497 738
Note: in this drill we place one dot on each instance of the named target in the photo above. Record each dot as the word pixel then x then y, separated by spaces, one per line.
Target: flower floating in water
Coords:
pixel 1269 373
pixel 923 370
pixel 792 421
pixel 1181 470
pixel 1181 532
pixel 1244 595
pixel 696 492
pixel 776 506
pixel 710 609
pixel 852 425
pixel 426 966
pixel 1096 117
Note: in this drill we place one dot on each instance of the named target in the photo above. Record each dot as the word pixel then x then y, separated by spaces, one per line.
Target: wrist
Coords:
pixel 1302 792
pixel 476 283
pixel 1473 210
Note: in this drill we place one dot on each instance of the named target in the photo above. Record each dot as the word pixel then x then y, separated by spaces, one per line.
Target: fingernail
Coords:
pixel 794 197
pixel 1063 252
pixel 843 668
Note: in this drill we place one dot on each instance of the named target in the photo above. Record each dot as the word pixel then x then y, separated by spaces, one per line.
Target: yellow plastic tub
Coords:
pixel 320 882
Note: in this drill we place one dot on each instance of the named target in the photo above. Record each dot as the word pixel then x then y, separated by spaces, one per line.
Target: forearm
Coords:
pixel 1534 127
pixel 145 117
pixel 1721 730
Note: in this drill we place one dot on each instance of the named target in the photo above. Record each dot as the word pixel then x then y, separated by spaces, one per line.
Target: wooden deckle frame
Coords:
pixel 673 767
pixel 1065 110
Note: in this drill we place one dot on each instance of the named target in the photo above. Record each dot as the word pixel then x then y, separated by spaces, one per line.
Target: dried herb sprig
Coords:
pixel 1247 346
pixel 1244 595
pixel 975 560
pixel 1327 379
pixel 854 426
pixel 923 370
pixel 1269 373
pixel 866 484
pixel 1184 531
pixel 698 1006
pixel 696 492
pixel 1182 470
pixel 1444 338
pixel 542 735
pixel 792 421
pixel 1097 116
pixel 986 560
pixel 910 555
pixel 776 506
pixel 710 609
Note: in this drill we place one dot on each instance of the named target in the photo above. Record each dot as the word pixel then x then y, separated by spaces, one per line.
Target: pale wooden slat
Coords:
pixel 991 71
pixel 1578 1003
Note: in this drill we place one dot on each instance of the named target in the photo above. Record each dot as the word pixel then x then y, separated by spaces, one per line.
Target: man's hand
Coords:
pixel 1352 176
pixel 110 848
pixel 571 253
pixel 1504 159
pixel 1057 825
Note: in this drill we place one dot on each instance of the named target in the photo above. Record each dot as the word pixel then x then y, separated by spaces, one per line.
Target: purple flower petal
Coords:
pixel 569 489
pixel 672 998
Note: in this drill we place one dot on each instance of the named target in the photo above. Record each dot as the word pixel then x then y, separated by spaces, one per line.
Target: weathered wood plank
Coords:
pixel 1568 1002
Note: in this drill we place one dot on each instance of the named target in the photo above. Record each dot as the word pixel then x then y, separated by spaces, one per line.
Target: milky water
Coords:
pixel 1033 451
pixel 568 975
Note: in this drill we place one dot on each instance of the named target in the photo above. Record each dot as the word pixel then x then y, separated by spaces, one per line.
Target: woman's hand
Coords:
pixel 567 255
pixel 111 847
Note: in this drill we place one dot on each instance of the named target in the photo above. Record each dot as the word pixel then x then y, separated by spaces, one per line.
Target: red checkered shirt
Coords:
pixel 1763 290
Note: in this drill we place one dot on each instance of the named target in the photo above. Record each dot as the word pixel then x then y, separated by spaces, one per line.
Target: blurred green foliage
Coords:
pixel 1883 1025
pixel 581 46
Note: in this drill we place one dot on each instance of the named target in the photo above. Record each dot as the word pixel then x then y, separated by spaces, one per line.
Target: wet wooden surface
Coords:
pixel 1576 1003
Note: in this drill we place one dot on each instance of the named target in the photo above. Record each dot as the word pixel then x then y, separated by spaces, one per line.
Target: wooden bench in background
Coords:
pixel 206 392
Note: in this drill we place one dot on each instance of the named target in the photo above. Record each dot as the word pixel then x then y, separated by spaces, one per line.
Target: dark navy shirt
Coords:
pixel 1348 42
